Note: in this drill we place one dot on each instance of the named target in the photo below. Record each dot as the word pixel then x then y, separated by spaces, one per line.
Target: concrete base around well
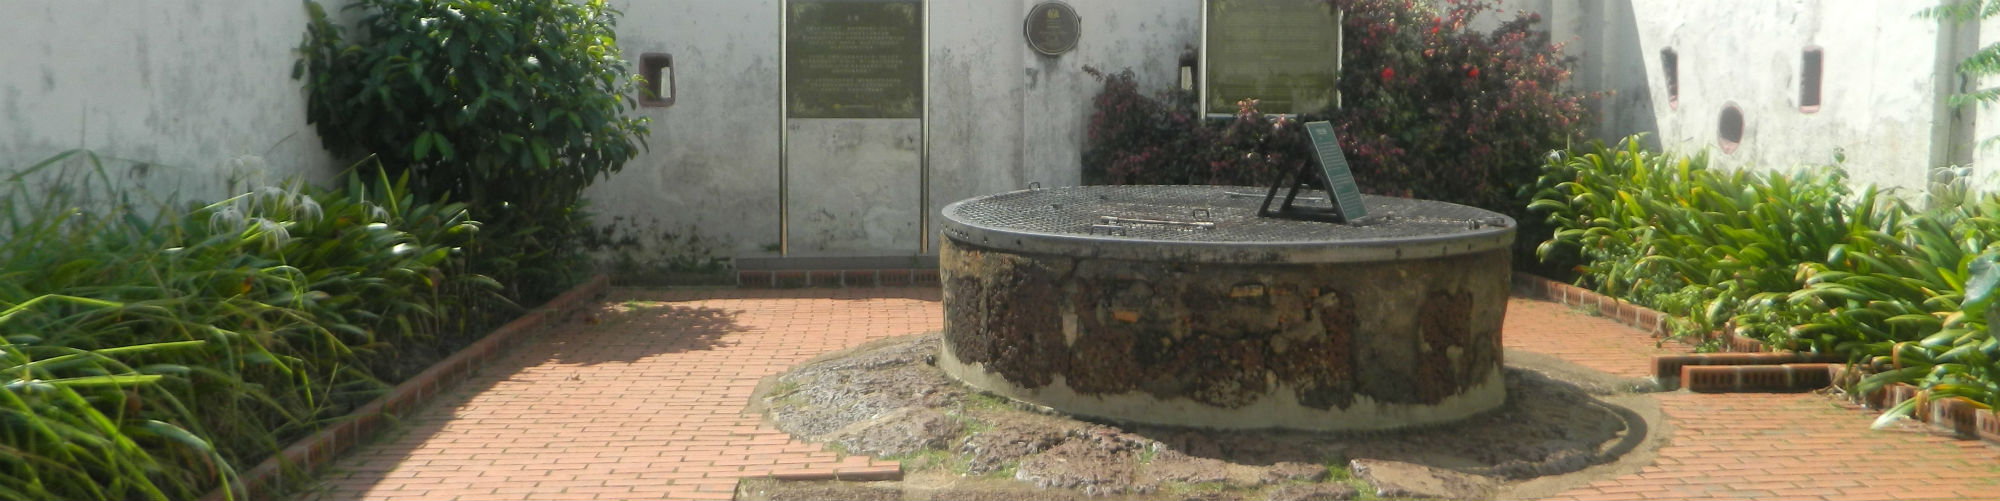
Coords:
pixel 1318 346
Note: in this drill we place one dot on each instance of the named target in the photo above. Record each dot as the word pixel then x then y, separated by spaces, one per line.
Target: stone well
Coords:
pixel 1179 305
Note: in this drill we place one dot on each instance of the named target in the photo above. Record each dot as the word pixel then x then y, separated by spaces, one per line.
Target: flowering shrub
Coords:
pixel 1135 139
pixel 1436 110
pixel 1432 110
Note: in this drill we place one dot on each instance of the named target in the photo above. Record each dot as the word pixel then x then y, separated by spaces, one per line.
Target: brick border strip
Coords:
pixel 1757 378
pixel 816 278
pixel 1638 317
pixel 1670 370
pixel 321 448
pixel 1952 415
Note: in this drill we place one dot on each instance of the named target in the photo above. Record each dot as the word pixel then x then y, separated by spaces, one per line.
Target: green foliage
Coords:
pixel 150 353
pixel 1135 139
pixel 513 106
pixel 1436 110
pixel 1432 109
pixel 1670 233
pixel 1796 260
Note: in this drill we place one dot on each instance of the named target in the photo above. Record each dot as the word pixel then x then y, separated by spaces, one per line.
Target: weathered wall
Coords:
pixel 1002 116
pixel 193 89
pixel 712 166
pixel 1880 96
pixel 190 87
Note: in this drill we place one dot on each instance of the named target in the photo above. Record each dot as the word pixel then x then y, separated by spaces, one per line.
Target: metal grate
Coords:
pixel 1203 214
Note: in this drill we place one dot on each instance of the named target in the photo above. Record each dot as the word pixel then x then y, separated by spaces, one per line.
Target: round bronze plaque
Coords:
pixel 1052 28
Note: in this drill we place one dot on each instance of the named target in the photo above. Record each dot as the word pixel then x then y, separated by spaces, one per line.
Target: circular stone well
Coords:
pixel 1179 305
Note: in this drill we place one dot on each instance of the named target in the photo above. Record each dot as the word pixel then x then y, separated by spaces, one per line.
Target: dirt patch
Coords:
pixel 1330 492
pixel 887 399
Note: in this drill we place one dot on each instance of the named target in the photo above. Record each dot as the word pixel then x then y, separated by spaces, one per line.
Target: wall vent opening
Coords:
pixel 1670 66
pixel 1729 130
pixel 656 80
pixel 1810 68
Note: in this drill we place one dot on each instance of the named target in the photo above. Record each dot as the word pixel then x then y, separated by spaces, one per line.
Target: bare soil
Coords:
pixel 1562 426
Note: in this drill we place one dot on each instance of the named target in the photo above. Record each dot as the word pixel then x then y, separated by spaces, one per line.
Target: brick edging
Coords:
pixel 1754 368
pixel 1757 378
pixel 319 449
pixel 1638 317
pixel 796 279
pixel 1955 415
pixel 1670 370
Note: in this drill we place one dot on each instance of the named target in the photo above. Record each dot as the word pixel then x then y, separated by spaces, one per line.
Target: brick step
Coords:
pixel 1667 369
pixel 1758 378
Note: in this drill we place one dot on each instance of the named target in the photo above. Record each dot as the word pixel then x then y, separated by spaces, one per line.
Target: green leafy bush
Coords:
pixel 1432 110
pixel 512 106
pixel 1670 233
pixel 1794 259
pixel 1135 139
pixel 149 353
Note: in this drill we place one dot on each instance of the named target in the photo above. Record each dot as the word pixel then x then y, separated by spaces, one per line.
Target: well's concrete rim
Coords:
pixel 1485 237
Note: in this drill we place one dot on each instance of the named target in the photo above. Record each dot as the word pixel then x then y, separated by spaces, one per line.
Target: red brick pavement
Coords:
pixel 1582 338
pixel 1756 445
pixel 648 403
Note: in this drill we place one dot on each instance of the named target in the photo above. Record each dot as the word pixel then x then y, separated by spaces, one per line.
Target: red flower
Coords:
pixel 1474 73
pixel 1388 73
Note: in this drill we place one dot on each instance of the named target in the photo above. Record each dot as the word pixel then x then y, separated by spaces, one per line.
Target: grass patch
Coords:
pixel 934 459
pixel 1006 472
pixel 1184 490
pixel 988 402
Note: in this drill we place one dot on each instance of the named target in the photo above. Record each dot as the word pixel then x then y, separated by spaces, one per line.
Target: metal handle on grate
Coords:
pixel 1115 221
pixel 1109 229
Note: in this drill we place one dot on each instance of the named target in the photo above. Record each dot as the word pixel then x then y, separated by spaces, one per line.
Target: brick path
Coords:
pixel 1581 338
pixel 648 404
pixel 1756 445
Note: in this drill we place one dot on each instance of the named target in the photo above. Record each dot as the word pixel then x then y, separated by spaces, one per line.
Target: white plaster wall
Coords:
pixel 184 86
pixel 712 163
pixel 1002 117
pixel 855 186
pixel 1879 97
pixel 1005 116
pixel 1878 94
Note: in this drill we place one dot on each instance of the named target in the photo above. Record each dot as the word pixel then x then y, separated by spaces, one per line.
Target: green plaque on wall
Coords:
pixel 854 58
pixel 1284 53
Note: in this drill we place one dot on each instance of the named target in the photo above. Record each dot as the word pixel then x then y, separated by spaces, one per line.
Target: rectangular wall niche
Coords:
pixel 1809 79
pixel 1670 66
pixel 656 72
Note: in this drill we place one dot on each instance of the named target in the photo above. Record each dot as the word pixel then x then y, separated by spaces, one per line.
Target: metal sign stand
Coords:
pixel 1341 192
pixel 1299 180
